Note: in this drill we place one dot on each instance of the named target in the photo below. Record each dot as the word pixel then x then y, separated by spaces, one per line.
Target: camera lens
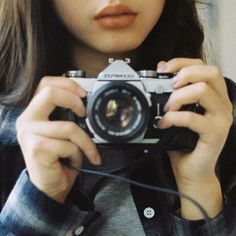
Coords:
pixel 118 112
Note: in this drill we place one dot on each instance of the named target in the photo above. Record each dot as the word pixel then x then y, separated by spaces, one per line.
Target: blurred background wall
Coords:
pixel 220 19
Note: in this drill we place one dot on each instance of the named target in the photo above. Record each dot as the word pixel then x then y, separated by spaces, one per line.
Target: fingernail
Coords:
pixel 159 124
pixel 98 160
pixel 166 107
pixel 162 67
pixel 83 111
pixel 174 81
pixel 82 93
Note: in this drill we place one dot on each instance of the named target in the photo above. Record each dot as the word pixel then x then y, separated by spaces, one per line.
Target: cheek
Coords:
pixel 152 12
pixel 71 16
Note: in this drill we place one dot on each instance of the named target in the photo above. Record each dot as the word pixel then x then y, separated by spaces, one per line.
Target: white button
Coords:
pixel 149 212
pixel 79 230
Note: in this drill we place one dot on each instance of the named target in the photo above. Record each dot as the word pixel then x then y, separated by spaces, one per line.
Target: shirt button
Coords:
pixel 149 212
pixel 79 230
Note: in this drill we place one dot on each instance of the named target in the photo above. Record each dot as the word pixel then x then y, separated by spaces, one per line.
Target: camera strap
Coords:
pixel 155 151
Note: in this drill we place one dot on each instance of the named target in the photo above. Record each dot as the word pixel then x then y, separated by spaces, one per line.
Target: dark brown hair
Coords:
pixel 32 43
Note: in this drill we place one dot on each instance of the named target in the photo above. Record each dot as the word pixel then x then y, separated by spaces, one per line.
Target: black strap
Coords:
pixel 154 152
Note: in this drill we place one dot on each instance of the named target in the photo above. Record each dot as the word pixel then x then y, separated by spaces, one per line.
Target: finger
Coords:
pixel 177 64
pixel 210 130
pixel 201 73
pixel 47 150
pixel 61 82
pixel 67 131
pixel 49 98
pixel 199 93
pixel 187 119
pixel 161 66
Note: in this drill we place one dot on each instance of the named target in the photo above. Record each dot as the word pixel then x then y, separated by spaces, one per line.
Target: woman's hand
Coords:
pixel 43 142
pixel 195 175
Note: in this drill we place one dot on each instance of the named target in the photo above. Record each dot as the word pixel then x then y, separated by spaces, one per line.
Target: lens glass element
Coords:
pixel 119 112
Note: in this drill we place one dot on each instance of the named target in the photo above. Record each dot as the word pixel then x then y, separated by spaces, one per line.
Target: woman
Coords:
pixel 43 39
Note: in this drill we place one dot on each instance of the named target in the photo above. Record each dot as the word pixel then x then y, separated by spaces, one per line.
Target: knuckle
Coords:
pixel 230 108
pixel 21 129
pixel 35 147
pixel 199 61
pixel 184 73
pixel 48 91
pixel 189 118
pixel 202 88
pixel 70 127
pixel 173 62
pixel 224 127
pixel 230 119
pixel 19 122
pixel 215 71
pixel 44 81
pixel 20 134
pixel 72 83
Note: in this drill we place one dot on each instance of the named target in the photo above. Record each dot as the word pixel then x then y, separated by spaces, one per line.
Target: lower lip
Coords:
pixel 116 21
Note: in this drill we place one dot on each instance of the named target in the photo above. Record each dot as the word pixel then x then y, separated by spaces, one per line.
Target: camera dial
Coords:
pixel 123 106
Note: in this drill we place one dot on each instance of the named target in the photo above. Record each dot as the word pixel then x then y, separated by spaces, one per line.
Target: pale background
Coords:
pixel 220 19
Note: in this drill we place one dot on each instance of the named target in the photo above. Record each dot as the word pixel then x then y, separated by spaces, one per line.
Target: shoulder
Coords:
pixel 7 124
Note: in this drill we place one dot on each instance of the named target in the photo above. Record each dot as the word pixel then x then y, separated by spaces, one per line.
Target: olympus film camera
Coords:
pixel 123 107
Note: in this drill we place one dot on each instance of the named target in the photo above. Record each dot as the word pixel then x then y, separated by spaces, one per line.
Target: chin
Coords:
pixel 116 50
pixel 118 47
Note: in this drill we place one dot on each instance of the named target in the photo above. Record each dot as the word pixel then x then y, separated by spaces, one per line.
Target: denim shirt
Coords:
pixel 28 211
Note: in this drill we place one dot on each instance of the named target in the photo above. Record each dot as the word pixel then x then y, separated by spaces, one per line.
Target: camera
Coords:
pixel 123 107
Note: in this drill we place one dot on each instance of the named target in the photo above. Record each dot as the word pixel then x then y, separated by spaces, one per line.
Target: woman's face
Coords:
pixel 109 26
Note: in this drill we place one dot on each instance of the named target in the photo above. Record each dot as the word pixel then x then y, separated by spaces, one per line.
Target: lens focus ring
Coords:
pixel 118 112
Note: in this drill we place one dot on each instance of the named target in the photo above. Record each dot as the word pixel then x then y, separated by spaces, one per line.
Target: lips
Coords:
pixel 115 16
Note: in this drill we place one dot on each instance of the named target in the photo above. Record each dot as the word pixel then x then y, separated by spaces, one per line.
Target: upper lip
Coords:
pixel 113 10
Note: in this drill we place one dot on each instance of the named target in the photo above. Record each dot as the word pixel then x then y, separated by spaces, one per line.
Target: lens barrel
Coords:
pixel 118 112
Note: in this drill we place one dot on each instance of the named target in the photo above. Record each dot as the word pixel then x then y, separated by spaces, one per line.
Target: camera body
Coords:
pixel 123 107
